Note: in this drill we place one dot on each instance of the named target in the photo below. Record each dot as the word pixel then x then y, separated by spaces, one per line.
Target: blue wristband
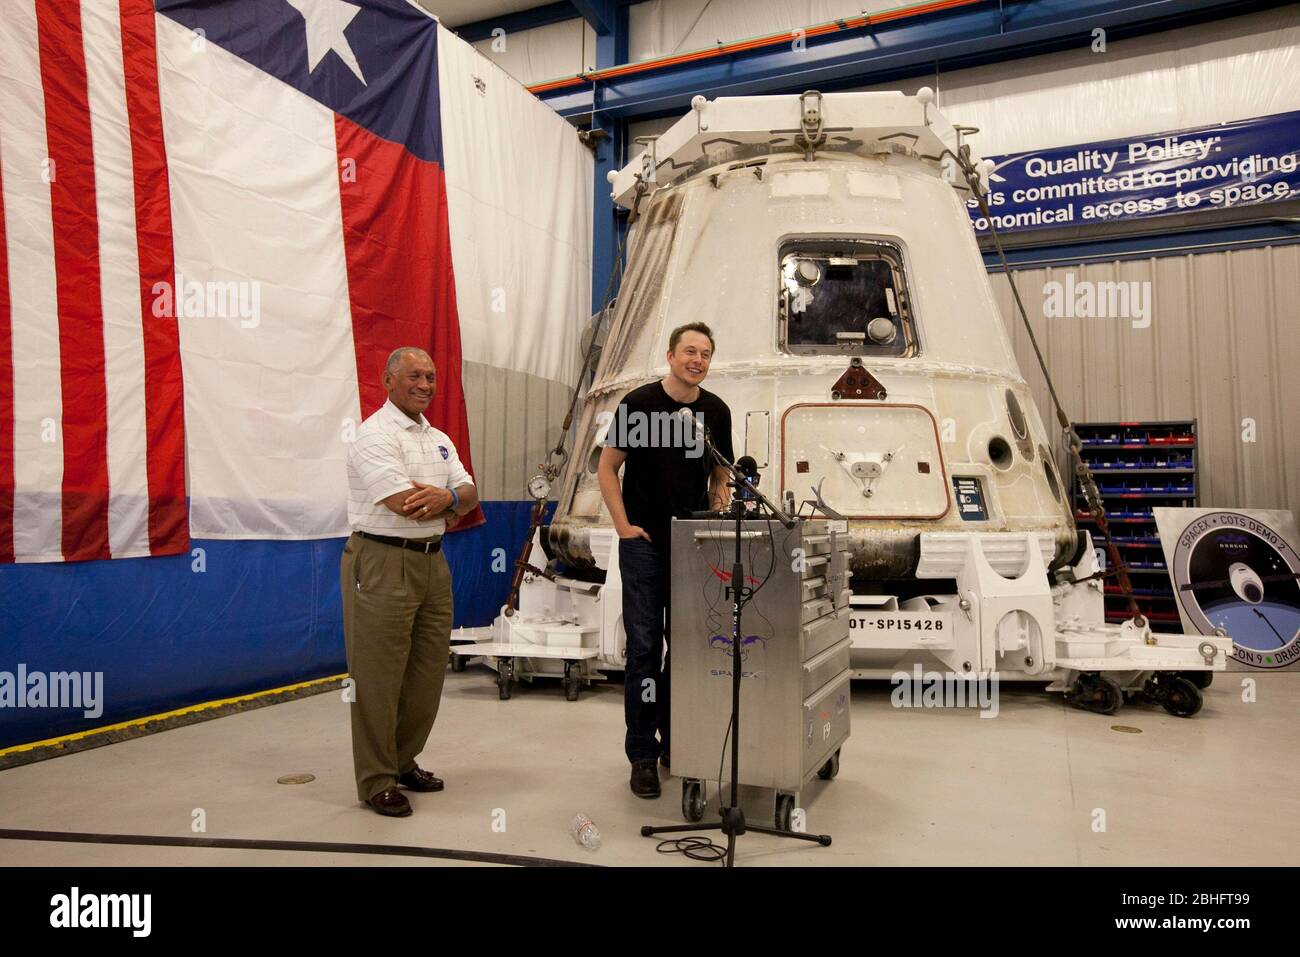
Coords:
pixel 455 499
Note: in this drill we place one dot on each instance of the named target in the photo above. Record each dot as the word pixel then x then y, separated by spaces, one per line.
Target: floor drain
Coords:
pixel 296 779
pixel 1126 728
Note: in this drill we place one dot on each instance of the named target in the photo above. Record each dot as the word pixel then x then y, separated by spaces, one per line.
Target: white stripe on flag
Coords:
pixel 128 509
pixel 255 199
pixel 38 402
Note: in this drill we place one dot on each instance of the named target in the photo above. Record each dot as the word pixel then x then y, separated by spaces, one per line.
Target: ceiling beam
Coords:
pixel 518 21
pixel 590 10
pixel 875 49
pixel 599 13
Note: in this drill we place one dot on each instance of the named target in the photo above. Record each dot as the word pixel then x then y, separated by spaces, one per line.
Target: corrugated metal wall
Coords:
pixel 1222 347
pixel 514 419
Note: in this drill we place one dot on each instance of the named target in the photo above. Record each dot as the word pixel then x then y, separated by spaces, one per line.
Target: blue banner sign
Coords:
pixel 1243 163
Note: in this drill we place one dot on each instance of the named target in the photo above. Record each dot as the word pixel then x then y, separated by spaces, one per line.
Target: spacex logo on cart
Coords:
pixel 723 644
pixel 74 909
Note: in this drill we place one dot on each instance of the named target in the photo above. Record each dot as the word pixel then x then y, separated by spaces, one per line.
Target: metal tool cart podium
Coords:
pixel 794 657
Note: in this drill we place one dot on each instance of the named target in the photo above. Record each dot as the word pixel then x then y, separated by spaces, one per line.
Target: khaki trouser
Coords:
pixel 397 630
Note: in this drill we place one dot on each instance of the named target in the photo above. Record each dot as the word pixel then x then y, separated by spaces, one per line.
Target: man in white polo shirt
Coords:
pixel 405 482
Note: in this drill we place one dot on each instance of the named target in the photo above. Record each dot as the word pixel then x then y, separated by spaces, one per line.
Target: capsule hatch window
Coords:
pixel 844 297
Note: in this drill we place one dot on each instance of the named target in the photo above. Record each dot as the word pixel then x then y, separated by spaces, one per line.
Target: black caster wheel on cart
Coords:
pixel 1202 679
pixel 693 800
pixel 458 662
pixel 1096 693
pixel 505 677
pixel 785 812
pixel 1174 692
pixel 572 681
pixel 831 768
pixel 1179 696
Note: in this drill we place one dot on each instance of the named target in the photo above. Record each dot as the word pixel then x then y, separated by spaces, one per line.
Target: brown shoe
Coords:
pixel 390 802
pixel 420 780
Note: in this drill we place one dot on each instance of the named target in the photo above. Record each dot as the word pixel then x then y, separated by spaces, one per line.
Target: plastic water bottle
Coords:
pixel 584 832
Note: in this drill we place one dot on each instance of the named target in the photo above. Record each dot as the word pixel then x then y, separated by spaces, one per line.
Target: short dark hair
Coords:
pixel 699 327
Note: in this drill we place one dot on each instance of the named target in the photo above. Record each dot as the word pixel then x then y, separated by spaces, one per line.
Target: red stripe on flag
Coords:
pixel 400 284
pixel 164 396
pixel 76 261
pixel 6 398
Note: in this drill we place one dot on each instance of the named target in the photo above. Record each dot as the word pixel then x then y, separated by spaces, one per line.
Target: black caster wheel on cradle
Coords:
pixel 458 662
pixel 505 678
pixel 1096 693
pixel 785 812
pixel 1202 679
pixel 693 800
pixel 831 768
pixel 572 681
pixel 1180 697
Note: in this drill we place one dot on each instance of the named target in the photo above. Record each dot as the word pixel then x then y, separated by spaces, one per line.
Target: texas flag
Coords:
pixel 217 218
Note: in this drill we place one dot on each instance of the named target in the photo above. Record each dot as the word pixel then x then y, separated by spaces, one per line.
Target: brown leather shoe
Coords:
pixel 390 802
pixel 420 780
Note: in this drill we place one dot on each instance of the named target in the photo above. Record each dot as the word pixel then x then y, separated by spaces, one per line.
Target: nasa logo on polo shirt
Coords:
pixel 445 453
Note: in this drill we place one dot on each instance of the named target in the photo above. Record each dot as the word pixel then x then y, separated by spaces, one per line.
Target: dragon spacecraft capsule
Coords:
pixel 826 241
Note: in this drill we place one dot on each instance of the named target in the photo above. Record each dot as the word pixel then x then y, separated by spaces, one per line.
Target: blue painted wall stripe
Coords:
pixel 262 614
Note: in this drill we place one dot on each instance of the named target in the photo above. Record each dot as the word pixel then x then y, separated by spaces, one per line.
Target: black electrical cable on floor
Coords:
pixel 696 848
pixel 322 847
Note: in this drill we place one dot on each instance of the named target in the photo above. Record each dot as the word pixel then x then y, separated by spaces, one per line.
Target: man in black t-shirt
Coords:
pixel 667 473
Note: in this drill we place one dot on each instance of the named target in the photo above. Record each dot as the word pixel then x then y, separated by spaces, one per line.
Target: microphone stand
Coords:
pixel 733 817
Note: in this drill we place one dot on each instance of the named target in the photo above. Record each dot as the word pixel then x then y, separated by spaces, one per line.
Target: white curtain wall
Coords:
pixel 543 53
pixel 519 189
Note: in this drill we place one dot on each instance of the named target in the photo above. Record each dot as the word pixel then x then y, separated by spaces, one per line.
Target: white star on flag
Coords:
pixel 326 20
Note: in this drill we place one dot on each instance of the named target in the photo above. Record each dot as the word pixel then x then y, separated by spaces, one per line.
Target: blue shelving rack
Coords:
pixel 1138 466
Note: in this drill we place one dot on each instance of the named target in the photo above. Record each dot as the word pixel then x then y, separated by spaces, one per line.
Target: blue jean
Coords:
pixel 645 573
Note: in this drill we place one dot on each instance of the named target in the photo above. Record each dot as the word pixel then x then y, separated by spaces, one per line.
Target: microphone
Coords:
pixel 747 466
pixel 689 420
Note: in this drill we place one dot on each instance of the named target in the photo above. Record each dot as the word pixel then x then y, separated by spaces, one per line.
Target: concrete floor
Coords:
pixel 916 787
